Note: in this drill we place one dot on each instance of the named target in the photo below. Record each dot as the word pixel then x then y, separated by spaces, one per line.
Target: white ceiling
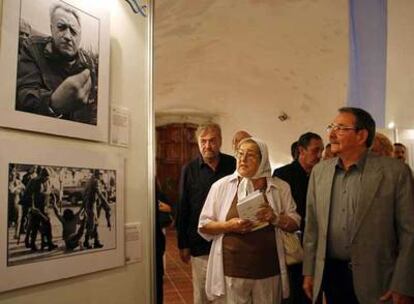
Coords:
pixel 246 61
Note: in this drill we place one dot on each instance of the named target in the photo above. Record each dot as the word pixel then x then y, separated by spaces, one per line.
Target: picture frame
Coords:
pixel 47 255
pixel 35 66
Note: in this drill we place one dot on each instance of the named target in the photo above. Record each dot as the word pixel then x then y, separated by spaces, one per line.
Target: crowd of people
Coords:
pixel 32 196
pixel 350 202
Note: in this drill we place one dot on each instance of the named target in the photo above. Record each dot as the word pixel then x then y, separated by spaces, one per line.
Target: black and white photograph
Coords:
pixel 61 212
pixel 58 59
pixel 54 212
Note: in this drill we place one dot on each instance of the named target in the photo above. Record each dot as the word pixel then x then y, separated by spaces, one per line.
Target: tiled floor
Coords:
pixel 177 278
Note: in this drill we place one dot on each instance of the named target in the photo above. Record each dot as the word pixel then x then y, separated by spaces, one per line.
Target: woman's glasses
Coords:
pixel 248 155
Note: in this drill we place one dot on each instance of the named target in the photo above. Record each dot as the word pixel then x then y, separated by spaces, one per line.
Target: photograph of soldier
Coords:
pixel 56 211
pixel 93 198
pixel 16 190
pixel 40 191
pixel 57 69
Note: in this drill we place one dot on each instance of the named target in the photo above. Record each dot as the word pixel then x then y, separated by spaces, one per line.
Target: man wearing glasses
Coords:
pixel 359 233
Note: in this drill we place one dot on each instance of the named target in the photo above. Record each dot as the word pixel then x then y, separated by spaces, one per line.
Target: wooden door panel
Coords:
pixel 176 146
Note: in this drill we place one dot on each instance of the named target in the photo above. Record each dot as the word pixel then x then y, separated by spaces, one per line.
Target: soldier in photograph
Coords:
pixel 91 196
pixel 39 191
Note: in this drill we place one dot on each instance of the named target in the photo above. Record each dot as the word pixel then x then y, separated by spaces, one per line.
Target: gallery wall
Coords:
pixel 129 83
pixel 244 62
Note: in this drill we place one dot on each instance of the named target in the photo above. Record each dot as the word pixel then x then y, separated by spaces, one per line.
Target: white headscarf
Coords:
pixel 264 170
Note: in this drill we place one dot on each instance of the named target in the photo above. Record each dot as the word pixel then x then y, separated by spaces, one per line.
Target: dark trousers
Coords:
pixel 297 295
pixel 41 222
pixel 337 282
pixel 160 276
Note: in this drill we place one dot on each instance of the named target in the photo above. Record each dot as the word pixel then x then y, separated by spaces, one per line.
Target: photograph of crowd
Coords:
pixel 54 212
pixel 57 70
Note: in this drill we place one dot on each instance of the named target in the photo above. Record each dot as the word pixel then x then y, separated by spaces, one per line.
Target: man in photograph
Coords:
pixel 359 231
pixel 196 180
pixel 39 191
pixel 91 198
pixel 55 77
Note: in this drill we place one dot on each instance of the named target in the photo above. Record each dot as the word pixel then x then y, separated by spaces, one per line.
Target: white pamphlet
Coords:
pixel 249 206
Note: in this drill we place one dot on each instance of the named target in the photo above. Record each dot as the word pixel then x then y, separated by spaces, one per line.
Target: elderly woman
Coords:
pixel 247 266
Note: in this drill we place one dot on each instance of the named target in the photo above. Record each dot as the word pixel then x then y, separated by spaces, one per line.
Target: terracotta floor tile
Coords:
pixel 178 287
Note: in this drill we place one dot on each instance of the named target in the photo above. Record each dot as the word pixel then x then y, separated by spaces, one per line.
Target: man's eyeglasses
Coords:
pixel 247 155
pixel 339 128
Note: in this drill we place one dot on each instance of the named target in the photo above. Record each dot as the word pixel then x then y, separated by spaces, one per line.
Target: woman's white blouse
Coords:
pixel 216 207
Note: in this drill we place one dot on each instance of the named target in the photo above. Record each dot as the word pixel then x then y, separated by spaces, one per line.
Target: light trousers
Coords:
pixel 199 270
pixel 249 291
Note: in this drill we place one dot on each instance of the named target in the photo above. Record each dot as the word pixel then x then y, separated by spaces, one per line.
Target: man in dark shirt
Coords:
pixel 196 179
pixel 296 174
pixel 55 77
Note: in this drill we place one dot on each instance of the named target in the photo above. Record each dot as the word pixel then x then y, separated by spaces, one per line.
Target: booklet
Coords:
pixel 249 206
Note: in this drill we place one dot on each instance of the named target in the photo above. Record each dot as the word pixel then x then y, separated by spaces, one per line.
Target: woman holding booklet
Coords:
pixel 247 261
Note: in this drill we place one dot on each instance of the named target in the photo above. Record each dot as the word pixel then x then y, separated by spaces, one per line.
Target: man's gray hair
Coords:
pixel 66 8
pixel 208 126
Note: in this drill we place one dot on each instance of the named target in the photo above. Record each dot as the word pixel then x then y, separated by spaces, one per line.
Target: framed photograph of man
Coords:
pixel 60 210
pixel 54 60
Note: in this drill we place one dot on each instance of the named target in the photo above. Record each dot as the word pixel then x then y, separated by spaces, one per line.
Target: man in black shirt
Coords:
pixel 296 174
pixel 196 179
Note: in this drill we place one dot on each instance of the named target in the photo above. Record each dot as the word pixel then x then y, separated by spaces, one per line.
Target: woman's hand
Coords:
pixel 285 223
pixel 239 225
pixel 235 224
pixel 266 214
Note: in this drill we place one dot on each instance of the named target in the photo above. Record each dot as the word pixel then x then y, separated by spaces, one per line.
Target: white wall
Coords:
pixel 245 62
pixel 128 87
pixel 400 64
pixel 400 73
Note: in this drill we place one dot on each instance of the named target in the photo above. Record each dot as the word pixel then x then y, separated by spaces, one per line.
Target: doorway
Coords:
pixel 176 146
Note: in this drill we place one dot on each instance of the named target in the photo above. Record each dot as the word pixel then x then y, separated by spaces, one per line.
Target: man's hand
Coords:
pixel 72 92
pixel 163 207
pixel 308 286
pixel 397 298
pixel 185 255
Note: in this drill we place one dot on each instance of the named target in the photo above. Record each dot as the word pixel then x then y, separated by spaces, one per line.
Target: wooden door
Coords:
pixel 176 145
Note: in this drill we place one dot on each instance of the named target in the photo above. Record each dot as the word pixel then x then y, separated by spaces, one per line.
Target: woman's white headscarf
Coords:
pixel 264 170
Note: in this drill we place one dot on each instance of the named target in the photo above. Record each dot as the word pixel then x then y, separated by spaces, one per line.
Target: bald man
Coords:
pixel 238 136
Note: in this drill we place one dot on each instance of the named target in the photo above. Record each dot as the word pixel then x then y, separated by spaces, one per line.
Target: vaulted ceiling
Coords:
pixel 246 61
